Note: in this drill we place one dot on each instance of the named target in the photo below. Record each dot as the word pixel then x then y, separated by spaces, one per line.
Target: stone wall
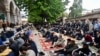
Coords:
pixel 87 17
pixel 11 11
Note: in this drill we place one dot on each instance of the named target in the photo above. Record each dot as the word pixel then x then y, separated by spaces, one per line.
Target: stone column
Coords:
pixel 7 11
pixel 90 24
pixel 8 21
pixel 15 19
pixel 8 16
pixel 19 19
pixel 12 18
pixel 98 19
pixel 87 20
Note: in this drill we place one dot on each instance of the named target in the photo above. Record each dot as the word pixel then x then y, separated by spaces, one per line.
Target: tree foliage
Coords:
pixel 76 9
pixel 39 10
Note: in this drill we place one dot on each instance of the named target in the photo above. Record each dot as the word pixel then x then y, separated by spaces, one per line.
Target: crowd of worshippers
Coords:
pixel 9 33
pixel 77 30
pixel 21 44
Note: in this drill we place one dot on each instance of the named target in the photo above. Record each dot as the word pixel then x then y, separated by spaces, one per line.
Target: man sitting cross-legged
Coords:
pixel 60 41
pixel 68 49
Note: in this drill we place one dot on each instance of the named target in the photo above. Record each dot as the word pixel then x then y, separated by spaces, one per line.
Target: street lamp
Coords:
pixel 2 17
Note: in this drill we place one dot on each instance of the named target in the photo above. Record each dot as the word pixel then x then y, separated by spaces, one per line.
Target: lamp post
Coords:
pixel 2 17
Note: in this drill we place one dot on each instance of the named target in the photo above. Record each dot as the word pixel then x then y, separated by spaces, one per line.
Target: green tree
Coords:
pixel 39 10
pixel 76 9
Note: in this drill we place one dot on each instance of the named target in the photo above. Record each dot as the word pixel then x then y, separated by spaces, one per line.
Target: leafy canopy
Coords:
pixel 76 9
pixel 41 10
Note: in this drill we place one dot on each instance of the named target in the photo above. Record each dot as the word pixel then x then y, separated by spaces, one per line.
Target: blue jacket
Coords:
pixel 1 42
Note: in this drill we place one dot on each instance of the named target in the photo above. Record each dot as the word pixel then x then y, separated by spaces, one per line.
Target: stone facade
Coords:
pixel 10 10
pixel 88 18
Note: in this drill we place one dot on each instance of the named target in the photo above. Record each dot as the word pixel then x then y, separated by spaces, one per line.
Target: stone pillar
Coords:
pixel 19 19
pixel 12 19
pixel 15 19
pixel 86 21
pixel 98 18
pixel 8 16
pixel 7 12
pixel 90 24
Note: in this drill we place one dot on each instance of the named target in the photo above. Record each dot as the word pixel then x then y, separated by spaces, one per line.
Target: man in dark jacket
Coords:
pixel 84 51
pixel 98 40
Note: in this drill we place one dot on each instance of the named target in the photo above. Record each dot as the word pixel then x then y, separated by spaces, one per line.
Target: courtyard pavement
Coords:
pixel 36 40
